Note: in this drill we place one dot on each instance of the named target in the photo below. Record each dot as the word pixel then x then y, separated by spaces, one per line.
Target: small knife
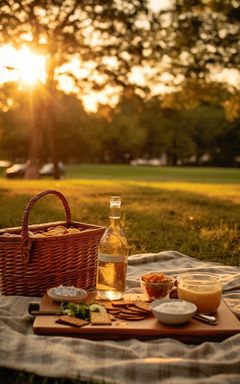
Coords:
pixel 34 310
pixel 209 319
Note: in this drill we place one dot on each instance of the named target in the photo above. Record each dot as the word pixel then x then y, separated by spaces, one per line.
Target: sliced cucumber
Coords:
pixel 97 308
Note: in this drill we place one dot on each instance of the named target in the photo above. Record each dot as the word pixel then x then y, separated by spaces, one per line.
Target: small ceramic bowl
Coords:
pixel 67 294
pixel 172 311
pixel 156 285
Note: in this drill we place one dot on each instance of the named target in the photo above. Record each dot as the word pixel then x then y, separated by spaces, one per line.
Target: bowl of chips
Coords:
pixel 156 285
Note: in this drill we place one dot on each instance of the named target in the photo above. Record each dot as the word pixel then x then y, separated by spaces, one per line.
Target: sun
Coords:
pixel 31 67
pixel 23 65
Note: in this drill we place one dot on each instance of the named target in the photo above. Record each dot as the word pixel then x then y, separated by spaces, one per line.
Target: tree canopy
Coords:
pixel 105 38
pixel 135 129
pixel 97 45
pixel 203 35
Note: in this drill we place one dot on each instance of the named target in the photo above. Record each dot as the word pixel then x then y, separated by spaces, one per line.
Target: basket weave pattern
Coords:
pixel 29 266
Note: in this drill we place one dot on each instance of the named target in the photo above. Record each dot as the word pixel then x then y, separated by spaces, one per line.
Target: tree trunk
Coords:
pixel 36 136
pixel 44 117
pixel 52 137
pixel 51 115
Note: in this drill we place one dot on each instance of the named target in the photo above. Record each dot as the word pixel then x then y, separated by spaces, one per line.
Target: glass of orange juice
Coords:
pixel 202 289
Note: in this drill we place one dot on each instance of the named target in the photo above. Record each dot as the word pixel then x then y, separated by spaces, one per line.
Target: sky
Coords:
pixel 158 4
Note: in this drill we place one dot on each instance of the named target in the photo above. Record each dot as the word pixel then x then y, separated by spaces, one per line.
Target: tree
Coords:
pixel 158 129
pixel 203 35
pixel 105 38
pixel 125 136
pixel 209 127
pixel 14 123
pixel 80 135
pixel 203 41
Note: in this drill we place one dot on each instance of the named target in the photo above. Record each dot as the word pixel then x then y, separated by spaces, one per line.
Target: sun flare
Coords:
pixel 31 67
pixel 22 65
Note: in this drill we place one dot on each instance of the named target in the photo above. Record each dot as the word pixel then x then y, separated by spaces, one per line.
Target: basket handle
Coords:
pixel 26 241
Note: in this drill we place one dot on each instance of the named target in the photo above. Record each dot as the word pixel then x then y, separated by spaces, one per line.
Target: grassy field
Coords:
pixel 125 172
pixel 190 210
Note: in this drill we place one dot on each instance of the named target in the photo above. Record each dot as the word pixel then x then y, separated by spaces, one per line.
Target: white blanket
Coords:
pixel 162 360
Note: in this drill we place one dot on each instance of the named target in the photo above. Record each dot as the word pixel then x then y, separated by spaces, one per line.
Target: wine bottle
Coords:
pixel 112 256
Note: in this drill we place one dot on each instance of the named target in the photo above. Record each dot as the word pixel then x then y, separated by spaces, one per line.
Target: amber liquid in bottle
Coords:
pixel 112 256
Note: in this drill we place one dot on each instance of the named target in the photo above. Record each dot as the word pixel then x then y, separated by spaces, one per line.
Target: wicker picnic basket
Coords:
pixel 30 262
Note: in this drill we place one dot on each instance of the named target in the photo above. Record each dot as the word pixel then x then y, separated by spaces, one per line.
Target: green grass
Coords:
pixel 199 217
pixel 183 174
pixel 190 210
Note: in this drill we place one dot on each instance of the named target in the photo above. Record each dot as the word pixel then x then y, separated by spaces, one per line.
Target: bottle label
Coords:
pixel 106 258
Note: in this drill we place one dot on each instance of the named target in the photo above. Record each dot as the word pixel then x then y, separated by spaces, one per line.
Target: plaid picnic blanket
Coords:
pixel 162 360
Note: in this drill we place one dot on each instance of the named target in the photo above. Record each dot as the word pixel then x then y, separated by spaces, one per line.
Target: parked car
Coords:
pixel 18 170
pixel 47 169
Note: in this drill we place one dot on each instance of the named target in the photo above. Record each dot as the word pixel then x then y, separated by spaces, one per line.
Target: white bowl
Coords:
pixel 57 294
pixel 173 311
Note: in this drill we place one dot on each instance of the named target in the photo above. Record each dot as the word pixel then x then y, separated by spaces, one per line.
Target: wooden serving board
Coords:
pixel 192 332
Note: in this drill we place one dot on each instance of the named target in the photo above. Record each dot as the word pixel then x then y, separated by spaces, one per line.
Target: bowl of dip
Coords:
pixel 202 289
pixel 67 294
pixel 172 311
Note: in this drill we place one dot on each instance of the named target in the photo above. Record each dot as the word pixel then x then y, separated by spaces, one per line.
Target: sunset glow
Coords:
pixel 21 65
pixel 28 68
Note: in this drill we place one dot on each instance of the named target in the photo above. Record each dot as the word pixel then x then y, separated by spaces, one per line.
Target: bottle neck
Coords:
pixel 115 211
pixel 115 216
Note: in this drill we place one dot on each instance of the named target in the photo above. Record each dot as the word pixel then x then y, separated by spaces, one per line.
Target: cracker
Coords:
pixel 70 320
pixel 113 311
pixel 132 313
pixel 56 231
pixel 73 231
pixel 131 317
pixel 108 306
pixel 60 228
pixel 98 318
pixel 143 306
pixel 121 303
pixel 136 310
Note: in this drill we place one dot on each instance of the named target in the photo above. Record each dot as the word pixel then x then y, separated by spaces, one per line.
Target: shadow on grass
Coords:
pixel 12 206
pixel 193 224
pixel 154 219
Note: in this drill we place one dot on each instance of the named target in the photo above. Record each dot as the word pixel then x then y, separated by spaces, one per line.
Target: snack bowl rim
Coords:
pixel 73 298
pixel 172 318
pixel 157 283
pixel 169 279
pixel 217 278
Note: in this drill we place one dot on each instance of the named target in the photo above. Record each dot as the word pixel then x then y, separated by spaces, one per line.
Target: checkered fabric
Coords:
pixel 133 361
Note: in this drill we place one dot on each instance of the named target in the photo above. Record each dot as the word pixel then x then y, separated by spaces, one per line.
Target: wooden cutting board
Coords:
pixel 192 332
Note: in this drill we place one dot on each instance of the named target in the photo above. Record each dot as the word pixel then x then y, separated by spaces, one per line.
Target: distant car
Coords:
pixel 47 169
pixel 18 170
pixel 15 171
